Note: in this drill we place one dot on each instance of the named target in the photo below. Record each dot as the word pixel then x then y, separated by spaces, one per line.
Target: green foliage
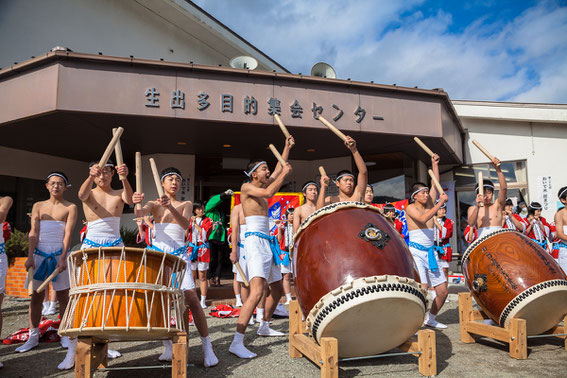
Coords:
pixel 129 237
pixel 17 245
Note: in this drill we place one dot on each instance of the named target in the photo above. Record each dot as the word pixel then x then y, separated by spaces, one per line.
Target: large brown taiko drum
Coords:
pixel 355 280
pixel 510 276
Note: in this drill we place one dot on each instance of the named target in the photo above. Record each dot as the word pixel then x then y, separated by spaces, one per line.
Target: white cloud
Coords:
pixel 524 59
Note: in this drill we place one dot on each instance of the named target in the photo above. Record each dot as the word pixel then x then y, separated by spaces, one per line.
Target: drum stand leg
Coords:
pixel 326 355
pixel 89 355
pixel 179 360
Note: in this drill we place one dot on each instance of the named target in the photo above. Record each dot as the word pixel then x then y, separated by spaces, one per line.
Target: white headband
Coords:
pixel 345 174
pixel 562 193
pixel 535 207
pixel 485 186
pixel 60 175
pixel 419 190
pixel 249 174
pixel 169 174
pixel 307 184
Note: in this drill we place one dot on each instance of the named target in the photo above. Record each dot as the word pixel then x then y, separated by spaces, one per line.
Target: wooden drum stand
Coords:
pixel 515 334
pixel 326 355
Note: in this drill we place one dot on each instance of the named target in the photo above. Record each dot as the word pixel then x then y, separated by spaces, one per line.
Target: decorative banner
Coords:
pixel 277 205
pixel 401 215
pixel 544 191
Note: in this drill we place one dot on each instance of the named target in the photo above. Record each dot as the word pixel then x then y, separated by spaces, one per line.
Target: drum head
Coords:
pixel 370 315
pixel 543 306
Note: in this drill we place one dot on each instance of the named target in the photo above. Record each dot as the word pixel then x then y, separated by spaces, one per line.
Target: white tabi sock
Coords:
pixel 210 358
pixel 65 342
pixel 69 360
pixel 238 301
pixel 430 321
pixel 203 302
pixel 111 353
pixel 237 347
pixel 288 297
pixel 259 314
pixel 167 354
pixel 52 309
pixel 45 307
pixel 265 330
pixel 32 342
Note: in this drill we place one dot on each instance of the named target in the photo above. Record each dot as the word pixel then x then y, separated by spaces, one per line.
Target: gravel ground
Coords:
pixel 547 357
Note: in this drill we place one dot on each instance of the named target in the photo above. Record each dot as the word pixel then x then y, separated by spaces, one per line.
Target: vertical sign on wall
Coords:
pixel 544 191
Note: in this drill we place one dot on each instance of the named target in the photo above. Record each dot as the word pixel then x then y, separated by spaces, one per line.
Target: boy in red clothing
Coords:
pixel 443 233
pixel 199 231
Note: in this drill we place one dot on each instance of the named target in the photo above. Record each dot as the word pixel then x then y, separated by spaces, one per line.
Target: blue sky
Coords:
pixel 494 50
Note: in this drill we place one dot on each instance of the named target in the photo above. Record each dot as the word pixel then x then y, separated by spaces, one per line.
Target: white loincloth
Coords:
pixel 425 237
pixel 169 237
pixel 104 231
pixel 259 257
pixel 51 235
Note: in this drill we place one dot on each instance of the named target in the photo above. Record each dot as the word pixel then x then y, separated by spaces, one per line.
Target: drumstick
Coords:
pixel 277 155
pixel 334 129
pixel 30 281
pixel 244 279
pixel 323 173
pixel 118 154
pixel 156 177
pixel 480 188
pixel 47 281
pixel 484 151
pixel 110 147
pixel 435 182
pixel 282 126
pixel 139 177
pixel 425 148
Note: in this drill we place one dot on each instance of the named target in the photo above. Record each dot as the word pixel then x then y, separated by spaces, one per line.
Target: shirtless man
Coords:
pixel 419 216
pixel 238 224
pixel 103 207
pixel 490 217
pixel 345 181
pixel 5 205
pixel 262 251
pixel 171 220
pixel 52 223
pixel 561 229
pixel 310 192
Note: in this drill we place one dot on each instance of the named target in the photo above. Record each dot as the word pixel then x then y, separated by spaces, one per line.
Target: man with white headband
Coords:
pixel 103 207
pixel 419 216
pixel 261 250
pixel 538 229
pixel 561 229
pixel 172 219
pixel 5 205
pixel 490 217
pixel 310 191
pixel 52 223
pixel 345 181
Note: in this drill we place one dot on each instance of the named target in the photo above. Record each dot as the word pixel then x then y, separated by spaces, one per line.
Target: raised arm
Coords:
pixel 285 156
pixel 122 170
pixel 503 192
pixel 321 199
pixel 435 168
pixel 271 190
pixel 87 186
pixel 420 217
pixel 362 180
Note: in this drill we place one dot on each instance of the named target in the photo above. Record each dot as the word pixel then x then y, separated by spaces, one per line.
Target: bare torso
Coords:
pixel 103 204
pixel 413 224
pixel 163 215
pixel 55 211
pixel 252 205
pixel 488 216
pixel 301 213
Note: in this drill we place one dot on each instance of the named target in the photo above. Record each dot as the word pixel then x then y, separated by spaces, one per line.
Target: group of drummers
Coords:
pixel 257 251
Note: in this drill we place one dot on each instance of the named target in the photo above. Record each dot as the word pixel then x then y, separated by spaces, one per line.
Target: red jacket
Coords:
pixel 546 231
pixel 519 219
pixel 6 231
pixel 445 233
pixel 200 238
pixel 470 234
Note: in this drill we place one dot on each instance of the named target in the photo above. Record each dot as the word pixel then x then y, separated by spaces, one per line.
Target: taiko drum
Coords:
pixel 510 276
pixel 355 280
pixel 122 293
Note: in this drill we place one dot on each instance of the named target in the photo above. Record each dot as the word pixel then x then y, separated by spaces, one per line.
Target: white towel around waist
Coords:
pixel 51 234
pixel 168 236
pixel 104 229
pixel 487 230
pixel 423 236
pixel 258 223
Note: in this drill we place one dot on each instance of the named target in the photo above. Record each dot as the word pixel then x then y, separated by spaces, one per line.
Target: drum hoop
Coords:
pixel 93 250
pixel 475 243
pixel 524 295
pixel 331 209
pixel 124 286
pixel 370 285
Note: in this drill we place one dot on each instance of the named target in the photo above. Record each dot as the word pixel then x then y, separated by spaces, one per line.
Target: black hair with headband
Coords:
pixel 344 173
pixel 58 174
pixel 371 188
pixel 562 193
pixel 109 163
pixel 389 207
pixel 170 171
pixel 486 184
pixel 415 188
pixel 509 202
pixel 533 207
pixel 304 187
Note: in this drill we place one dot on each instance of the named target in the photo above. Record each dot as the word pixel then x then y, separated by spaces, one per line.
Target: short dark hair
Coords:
pixel 371 188
pixel 509 202
pixel 416 186
pixel 533 207
pixel 58 174
pixel 170 171
pixel 198 205
pixel 389 207
pixel 485 183
pixel 344 171
pixel 562 193
pixel 306 184
pixel 251 166
pixel 92 163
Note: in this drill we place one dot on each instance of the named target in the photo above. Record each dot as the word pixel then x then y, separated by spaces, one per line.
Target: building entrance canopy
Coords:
pixel 66 103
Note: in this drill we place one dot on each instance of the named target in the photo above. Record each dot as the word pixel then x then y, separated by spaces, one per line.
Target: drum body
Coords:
pixel 510 276
pixel 355 280
pixel 121 293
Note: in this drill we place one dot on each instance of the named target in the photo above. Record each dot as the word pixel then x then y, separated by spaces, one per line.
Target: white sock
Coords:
pixel 45 307
pixel 210 358
pixel 238 300
pixel 259 314
pixel 51 309
pixel 111 353
pixel 203 302
pixel 69 360
pixel 65 342
pixel 288 297
pixel 265 330
pixel 237 347
pixel 167 354
pixel 32 341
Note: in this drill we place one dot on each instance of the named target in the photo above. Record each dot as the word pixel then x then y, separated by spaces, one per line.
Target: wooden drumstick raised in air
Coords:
pixel 47 281
pixel 244 279
pixel 334 129
pixel 480 188
pixel 118 154
pixel 436 182
pixel 484 151
pixel 323 174
pixel 139 177
pixel 156 177
pixel 425 148
pixel 30 281
pixel 277 154
pixel 110 147
pixel 284 129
